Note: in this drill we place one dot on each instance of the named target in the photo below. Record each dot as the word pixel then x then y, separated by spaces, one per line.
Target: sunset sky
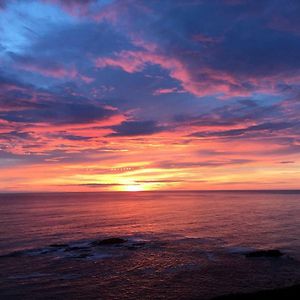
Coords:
pixel 149 95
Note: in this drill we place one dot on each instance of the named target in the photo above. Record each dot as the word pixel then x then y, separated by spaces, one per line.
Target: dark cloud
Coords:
pixel 257 129
pixel 229 115
pixel 136 128
pixel 10 82
pixel 24 104
pixel 247 48
pixel 60 113
pixel 248 102
pixel 3 4
pixel 75 137
pixel 241 54
pixel 77 43
pixel 12 135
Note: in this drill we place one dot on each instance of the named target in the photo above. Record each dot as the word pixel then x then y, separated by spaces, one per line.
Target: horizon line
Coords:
pixel 148 191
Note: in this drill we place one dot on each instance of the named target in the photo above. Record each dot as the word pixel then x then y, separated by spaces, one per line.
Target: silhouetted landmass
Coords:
pixel 289 293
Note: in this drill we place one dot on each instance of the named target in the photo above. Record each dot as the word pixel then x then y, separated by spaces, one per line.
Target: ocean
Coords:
pixel 176 245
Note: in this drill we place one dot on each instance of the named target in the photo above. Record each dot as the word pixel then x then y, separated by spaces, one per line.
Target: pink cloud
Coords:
pixel 86 79
pixel 282 23
pixel 129 61
pixel 140 42
pixel 205 39
pixel 200 82
pixel 76 8
pixel 55 71
pixel 92 9
pixel 167 91
pixel 120 11
pixel 109 13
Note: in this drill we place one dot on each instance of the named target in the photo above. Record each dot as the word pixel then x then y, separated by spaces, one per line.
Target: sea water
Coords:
pixel 179 245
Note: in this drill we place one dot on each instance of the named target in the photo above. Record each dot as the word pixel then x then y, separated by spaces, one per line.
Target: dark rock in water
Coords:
pixel 58 245
pixel 265 253
pixel 109 241
pixel 76 248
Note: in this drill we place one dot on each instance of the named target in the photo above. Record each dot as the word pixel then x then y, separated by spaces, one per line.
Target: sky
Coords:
pixel 129 95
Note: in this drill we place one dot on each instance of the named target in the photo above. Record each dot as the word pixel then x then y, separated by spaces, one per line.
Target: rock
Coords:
pixel 265 253
pixel 109 241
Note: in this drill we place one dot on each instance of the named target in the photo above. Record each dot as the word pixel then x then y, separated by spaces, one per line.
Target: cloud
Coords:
pixel 163 91
pixel 205 39
pixel 74 7
pixel 21 103
pixel 36 121
pixel 49 69
pixel 3 4
pixel 258 130
pixel 71 137
pixel 76 43
pixel 136 128
pixel 98 185
pixel 213 81
pixel 232 63
pixel 242 112
pixel 201 164
pixel 7 83
pixel 169 181
pixel 60 113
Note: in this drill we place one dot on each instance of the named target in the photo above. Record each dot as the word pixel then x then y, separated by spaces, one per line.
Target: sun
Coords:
pixel 133 188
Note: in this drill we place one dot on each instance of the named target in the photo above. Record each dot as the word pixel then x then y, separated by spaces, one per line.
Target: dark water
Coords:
pixel 180 245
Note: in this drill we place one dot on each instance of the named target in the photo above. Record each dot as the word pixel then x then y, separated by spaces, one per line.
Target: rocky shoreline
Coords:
pixel 137 259
pixel 90 249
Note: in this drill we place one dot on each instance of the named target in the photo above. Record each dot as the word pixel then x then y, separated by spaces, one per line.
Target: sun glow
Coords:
pixel 133 188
